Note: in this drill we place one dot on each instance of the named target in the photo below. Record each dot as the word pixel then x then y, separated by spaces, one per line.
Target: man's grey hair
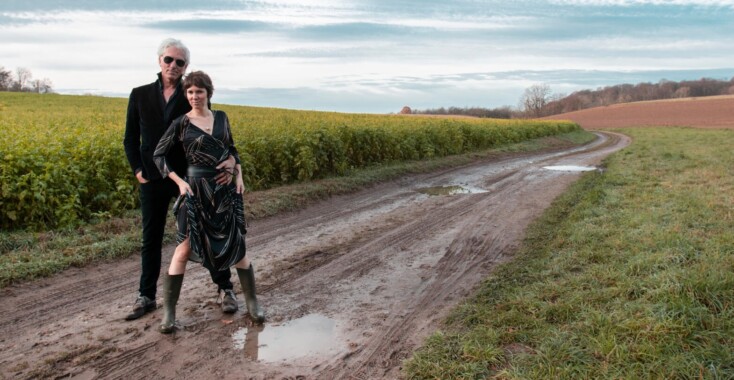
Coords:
pixel 172 42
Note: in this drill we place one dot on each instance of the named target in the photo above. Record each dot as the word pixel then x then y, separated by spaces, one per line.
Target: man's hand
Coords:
pixel 139 176
pixel 225 168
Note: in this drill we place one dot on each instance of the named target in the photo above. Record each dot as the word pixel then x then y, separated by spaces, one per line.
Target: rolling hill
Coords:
pixel 707 112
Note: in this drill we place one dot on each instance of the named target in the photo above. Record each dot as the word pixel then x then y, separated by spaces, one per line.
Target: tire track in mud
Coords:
pixel 335 267
pixel 41 308
pixel 127 364
pixel 472 251
pixel 59 302
pixel 360 256
pixel 364 258
pixel 356 258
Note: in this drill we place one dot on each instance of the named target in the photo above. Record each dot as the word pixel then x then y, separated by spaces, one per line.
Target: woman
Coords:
pixel 210 217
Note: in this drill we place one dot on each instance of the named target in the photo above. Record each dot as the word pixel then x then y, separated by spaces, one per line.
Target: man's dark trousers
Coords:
pixel 155 198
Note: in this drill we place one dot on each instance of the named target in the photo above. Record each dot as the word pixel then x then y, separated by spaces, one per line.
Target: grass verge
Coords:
pixel 28 255
pixel 629 275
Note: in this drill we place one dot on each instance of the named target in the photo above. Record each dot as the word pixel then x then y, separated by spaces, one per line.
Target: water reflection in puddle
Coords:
pixel 450 190
pixel 570 168
pixel 306 336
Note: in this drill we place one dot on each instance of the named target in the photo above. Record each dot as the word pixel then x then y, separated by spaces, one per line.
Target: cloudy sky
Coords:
pixel 371 55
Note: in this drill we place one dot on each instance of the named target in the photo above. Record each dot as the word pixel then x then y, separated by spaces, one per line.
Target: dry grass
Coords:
pixel 627 276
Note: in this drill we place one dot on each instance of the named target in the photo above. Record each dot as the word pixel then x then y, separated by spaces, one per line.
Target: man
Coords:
pixel 150 111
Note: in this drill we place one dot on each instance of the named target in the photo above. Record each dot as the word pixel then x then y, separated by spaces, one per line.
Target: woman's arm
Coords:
pixel 232 163
pixel 240 183
pixel 183 186
pixel 165 144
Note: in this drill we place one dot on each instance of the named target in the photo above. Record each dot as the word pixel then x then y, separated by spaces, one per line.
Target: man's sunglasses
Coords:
pixel 179 62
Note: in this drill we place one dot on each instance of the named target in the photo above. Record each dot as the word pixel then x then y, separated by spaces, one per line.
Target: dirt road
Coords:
pixel 351 285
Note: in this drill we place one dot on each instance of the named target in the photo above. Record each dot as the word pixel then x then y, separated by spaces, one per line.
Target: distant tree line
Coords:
pixel 538 101
pixel 22 81
pixel 505 112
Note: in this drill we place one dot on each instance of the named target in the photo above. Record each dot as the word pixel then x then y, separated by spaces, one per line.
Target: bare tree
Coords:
pixel 535 98
pixel 6 79
pixel 23 76
pixel 623 93
pixel 42 86
pixel 666 89
pixel 554 105
pixel 682 92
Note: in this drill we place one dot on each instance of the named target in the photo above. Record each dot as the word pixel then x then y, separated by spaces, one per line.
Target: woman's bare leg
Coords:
pixel 243 264
pixel 180 258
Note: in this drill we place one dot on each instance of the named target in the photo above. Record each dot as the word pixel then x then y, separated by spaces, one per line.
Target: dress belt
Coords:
pixel 201 171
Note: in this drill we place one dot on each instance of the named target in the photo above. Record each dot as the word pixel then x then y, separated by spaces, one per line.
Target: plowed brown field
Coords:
pixel 707 112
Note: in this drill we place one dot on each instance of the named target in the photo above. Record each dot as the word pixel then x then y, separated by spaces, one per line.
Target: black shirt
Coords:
pixel 148 117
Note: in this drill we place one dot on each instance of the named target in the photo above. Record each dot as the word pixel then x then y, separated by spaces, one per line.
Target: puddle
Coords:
pixel 311 335
pixel 570 168
pixel 450 190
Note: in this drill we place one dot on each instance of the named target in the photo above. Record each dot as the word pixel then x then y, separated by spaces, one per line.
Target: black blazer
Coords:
pixel 148 117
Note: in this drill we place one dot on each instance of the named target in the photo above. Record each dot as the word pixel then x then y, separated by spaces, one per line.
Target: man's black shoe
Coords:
pixel 142 305
pixel 229 301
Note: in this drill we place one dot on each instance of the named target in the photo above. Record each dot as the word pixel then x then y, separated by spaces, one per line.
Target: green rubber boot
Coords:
pixel 247 279
pixel 171 290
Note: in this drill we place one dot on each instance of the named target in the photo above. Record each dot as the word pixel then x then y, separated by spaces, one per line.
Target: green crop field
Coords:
pixel 63 161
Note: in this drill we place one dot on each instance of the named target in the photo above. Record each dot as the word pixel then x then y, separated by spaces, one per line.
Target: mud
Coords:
pixel 571 168
pixel 351 285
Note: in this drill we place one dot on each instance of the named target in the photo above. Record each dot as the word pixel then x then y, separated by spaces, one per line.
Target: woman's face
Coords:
pixel 197 97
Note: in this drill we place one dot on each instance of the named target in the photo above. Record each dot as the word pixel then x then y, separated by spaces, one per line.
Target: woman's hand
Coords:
pixel 184 188
pixel 225 168
pixel 239 183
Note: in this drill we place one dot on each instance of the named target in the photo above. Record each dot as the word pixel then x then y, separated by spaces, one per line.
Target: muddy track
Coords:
pixel 379 268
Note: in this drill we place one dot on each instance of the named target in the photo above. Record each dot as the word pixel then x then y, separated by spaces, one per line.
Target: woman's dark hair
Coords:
pixel 199 79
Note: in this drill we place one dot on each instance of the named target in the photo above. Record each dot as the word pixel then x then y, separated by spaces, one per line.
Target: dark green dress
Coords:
pixel 214 217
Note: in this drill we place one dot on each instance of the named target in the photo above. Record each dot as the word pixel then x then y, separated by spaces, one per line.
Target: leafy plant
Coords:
pixel 63 161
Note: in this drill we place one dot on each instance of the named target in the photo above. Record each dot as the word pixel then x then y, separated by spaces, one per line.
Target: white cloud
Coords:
pixel 377 55
pixel 630 3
